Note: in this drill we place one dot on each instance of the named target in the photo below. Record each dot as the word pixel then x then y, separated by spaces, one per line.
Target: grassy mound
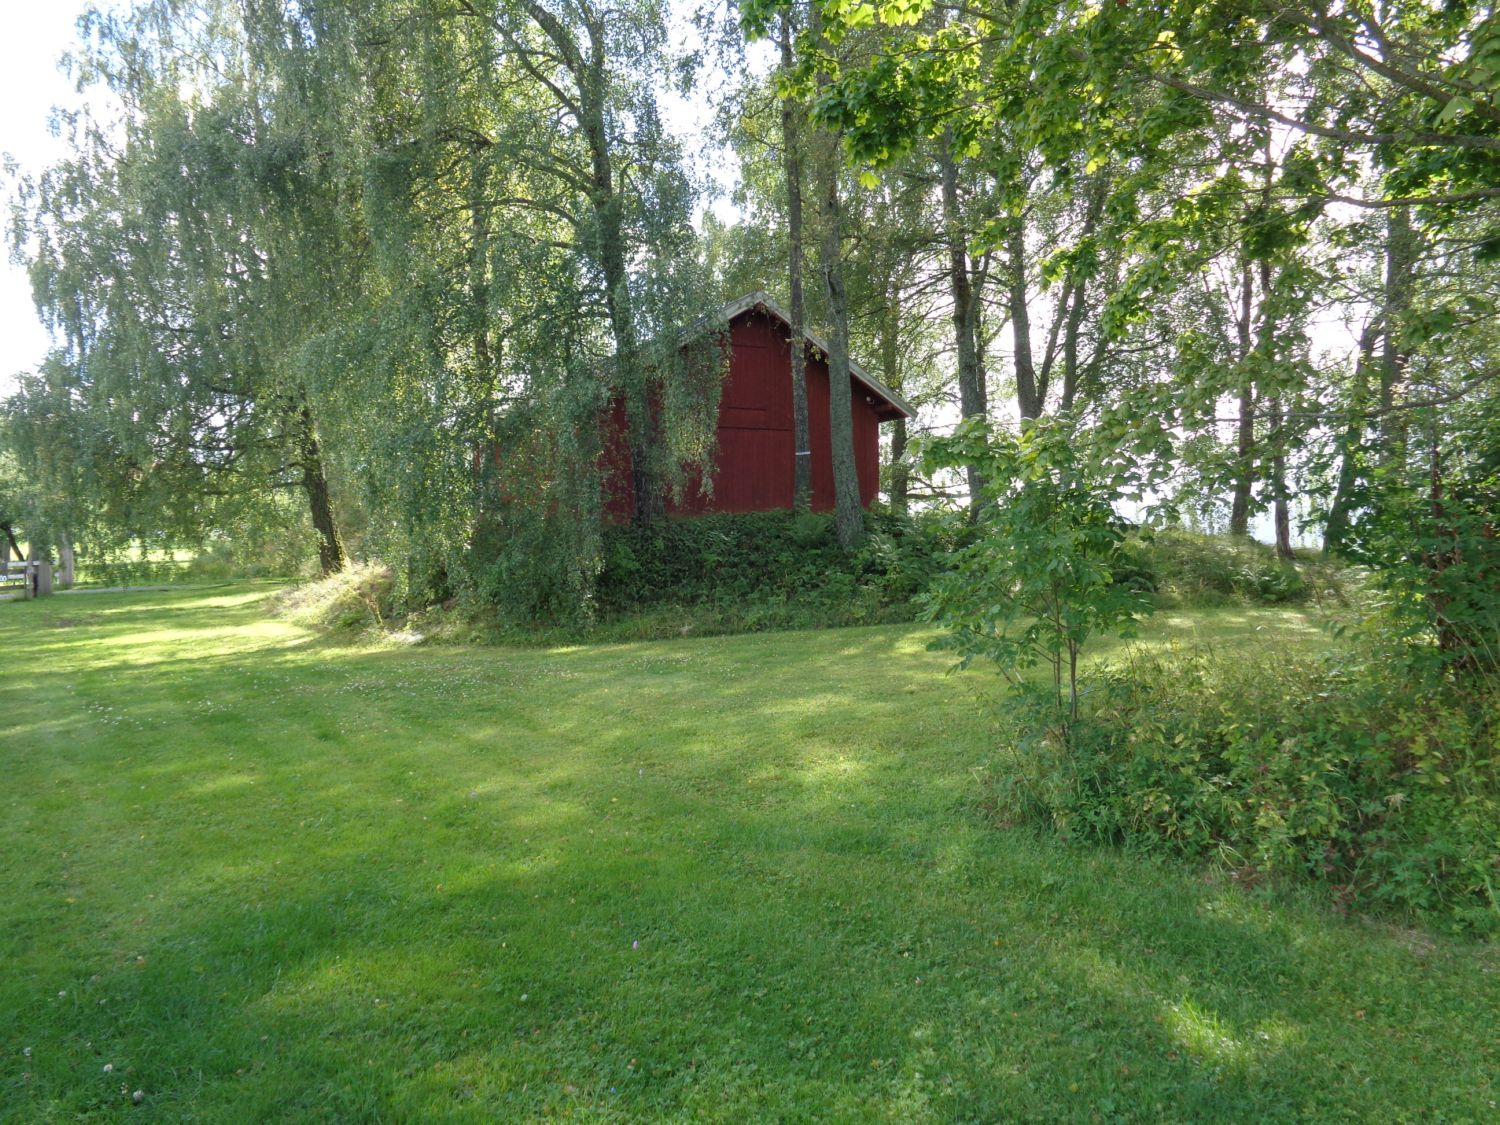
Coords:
pixel 357 599
pixel 1184 568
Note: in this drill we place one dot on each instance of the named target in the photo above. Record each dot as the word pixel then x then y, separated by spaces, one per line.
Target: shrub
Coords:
pixel 357 598
pixel 1352 775
pixel 1186 568
pixel 766 570
pixel 1040 576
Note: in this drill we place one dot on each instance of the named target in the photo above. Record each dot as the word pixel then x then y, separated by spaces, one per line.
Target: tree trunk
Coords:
pixel 590 72
pixel 971 389
pixel 900 470
pixel 1276 423
pixel 1071 331
pixel 66 563
pixel 890 370
pixel 1457 642
pixel 1281 514
pixel 982 340
pixel 315 483
pixel 849 515
pixel 629 378
pixel 609 245
pixel 1031 395
pixel 1336 527
pixel 479 288
pixel 1077 292
pixel 1244 467
pixel 791 139
pixel 39 578
pixel 1400 260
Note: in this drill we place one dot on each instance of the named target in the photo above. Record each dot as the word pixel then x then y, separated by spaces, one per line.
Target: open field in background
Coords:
pixel 260 877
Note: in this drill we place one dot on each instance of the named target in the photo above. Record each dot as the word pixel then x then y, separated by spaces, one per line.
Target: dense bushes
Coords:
pixel 1186 568
pixel 1350 774
pixel 700 575
pixel 769 570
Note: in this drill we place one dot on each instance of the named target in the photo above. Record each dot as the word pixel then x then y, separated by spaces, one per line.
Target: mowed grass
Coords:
pixel 258 877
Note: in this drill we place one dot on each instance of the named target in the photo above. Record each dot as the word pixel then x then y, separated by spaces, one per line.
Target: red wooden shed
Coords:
pixel 755 457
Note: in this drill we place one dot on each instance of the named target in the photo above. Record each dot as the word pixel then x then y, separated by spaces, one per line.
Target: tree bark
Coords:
pixel 1276 437
pixel 315 484
pixel 890 370
pixel 66 562
pixel 479 288
pixel 1279 504
pixel 791 139
pixel 1071 331
pixel 591 78
pixel 629 378
pixel 1239 510
pixel 900 470
pixel 849 514
pixel 1077 293
pixel 1031 394
pixel 965 301
pixel 1400 260
pixel 1336 527
pixel 590 74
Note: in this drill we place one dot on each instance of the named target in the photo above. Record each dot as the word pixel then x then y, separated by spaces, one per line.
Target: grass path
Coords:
pixel 257 878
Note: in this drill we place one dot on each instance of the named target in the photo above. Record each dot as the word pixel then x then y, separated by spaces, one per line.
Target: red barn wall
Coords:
pixel 753 464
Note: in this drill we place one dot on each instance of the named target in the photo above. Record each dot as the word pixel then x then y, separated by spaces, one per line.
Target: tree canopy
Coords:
pixel 399 258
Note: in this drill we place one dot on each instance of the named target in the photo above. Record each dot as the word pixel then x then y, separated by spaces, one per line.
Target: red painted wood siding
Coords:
pixel 753 465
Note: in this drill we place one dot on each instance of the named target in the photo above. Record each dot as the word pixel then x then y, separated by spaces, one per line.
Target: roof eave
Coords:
pixel 760 299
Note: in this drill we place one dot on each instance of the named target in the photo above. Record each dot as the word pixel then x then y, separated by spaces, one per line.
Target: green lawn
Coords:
pixel 258 877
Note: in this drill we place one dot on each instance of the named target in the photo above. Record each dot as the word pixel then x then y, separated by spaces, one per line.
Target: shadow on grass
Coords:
pixel 726 879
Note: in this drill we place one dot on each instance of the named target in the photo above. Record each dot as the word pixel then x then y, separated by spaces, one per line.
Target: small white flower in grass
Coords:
pixel 109 1068
pixel 138 1097
pixel 524 997
pixel 635 944
pixel 26 1051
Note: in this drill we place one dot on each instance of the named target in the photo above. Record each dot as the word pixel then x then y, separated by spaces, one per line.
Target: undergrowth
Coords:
pixel 772 569
pixel 1342 771
pixel 1185 569
pixel 731 573
pixel 766 571
pixel 359 598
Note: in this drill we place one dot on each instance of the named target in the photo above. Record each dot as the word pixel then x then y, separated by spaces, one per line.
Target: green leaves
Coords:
pixel 1039 579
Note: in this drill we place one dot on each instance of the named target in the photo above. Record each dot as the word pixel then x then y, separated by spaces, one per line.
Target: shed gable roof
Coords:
pixel 762 301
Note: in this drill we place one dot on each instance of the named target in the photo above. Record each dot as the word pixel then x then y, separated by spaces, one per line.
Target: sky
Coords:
pixel 36 37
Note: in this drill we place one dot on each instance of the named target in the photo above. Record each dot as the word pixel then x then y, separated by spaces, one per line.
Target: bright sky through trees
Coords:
pixel 31 84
